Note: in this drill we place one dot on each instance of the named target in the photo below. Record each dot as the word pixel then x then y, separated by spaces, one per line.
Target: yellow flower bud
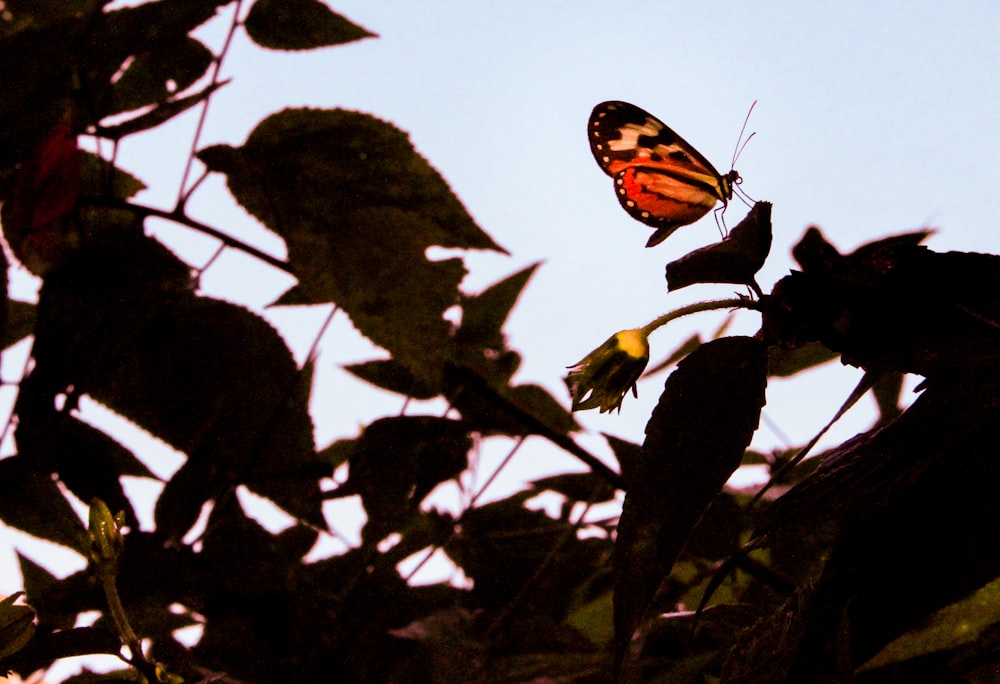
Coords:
pixel 605 375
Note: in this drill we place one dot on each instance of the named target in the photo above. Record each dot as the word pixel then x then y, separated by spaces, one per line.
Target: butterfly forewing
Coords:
pixel 660 179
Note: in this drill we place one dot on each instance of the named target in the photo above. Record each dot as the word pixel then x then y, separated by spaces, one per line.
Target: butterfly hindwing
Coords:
pixel 660 179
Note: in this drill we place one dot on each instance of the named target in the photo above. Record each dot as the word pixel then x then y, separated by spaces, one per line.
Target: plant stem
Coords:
pixel 697 307
pixel 138 658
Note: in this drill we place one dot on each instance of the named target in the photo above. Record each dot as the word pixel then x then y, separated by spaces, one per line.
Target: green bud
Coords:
pixel 605 375
pixel 104 534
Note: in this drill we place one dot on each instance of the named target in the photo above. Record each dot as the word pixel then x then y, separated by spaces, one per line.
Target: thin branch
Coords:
pixel 181 219
pixel 182 195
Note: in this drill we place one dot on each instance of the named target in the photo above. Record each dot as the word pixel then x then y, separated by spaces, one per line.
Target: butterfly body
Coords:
pixel 660 179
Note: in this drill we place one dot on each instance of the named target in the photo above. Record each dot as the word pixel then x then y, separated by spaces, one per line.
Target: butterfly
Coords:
pixel 660 179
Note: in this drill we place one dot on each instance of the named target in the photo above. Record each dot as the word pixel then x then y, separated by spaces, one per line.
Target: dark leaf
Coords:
pixel 161 113
pixel 910 500
pixel 36 81
pixel 887 389
pixel 397 461
pixel 451 649
pixel 79 641
pixel 718 533
pixel 483 315
pixel 352 198
pixel 815 253
pixel 494 408
pixel 511 552
pixel 734 260
pixel 152 40
pixel 389 375
pixel 335 162
pixel 691 449
pixel 783 362
pixel 20 15
pixel 565 666
pixel 87 461
pixel 36 220
pixel 212 379
pixel 894 305
pixel 678 652
pixel 338 453
pixel 33 503
pixel 299 25
pixel 488 409
pixel 963 622
pixel 585 487
pixel 158 74
pixel 101 179
pixel 58 602
pixel 536 401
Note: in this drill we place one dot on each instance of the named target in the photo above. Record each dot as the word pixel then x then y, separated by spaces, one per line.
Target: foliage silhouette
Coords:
pixel 838 572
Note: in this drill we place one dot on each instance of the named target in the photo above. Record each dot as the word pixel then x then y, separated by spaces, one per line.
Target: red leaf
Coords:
pixel 45 193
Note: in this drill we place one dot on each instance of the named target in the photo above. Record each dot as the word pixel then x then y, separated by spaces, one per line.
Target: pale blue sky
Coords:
pixel 871 118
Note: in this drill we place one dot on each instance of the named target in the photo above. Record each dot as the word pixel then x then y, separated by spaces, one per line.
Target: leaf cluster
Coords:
pixel 120 321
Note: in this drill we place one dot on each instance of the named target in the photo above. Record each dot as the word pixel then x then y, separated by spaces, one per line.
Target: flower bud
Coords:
pixel 605 375
pixel 104 534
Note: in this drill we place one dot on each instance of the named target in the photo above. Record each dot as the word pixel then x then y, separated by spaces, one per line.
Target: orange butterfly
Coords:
pixel 660 178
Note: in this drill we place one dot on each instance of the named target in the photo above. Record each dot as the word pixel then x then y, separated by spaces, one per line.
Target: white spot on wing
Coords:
pixel 630 133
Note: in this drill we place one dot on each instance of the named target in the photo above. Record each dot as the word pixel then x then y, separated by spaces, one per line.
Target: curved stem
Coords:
pixel 697 307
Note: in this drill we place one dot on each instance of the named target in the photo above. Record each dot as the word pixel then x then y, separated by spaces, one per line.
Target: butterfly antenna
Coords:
pixel 740 143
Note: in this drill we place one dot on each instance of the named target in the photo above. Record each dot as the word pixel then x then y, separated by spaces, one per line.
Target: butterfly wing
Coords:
pixel 660 179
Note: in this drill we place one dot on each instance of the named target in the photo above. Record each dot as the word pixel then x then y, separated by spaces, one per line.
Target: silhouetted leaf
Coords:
pixel 299 25
pixel 79 641
pixel 961 622
pixel 509 551
pixel 159 73
pixel 389 375
pixel 452 651
pixel 886 390
pixel 58 601
pixel 32 503
pixel 213 380
pixel 692 447
pixel 161 113
pixel 397 461
pixel 484 314
pixel 352 198
pixel 37 217
pixel 783 362
pixel 864 306
pixel 556 666
pixel 36 81
pixel 152 39
pixel 734 260
pixel 88 461
pixel 577 487
pixel 909 500
pixel 102 179
pixel 718 533
pixel 21 15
